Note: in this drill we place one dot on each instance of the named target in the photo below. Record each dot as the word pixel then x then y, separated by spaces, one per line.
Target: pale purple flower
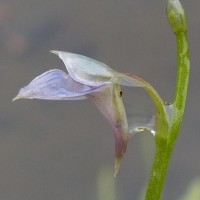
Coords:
pixel 93 80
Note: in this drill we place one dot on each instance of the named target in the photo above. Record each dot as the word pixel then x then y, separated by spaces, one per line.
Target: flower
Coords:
pixel 93 80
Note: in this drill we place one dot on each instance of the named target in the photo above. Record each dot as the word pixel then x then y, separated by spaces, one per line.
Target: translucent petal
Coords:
pixel 140 110
pixel 129 81
pixel 55 85
pixel 86 70
pixel 93 73
pixel 142 123
pixel 169 109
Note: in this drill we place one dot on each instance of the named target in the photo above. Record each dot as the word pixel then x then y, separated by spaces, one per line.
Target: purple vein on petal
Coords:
pixel 55 84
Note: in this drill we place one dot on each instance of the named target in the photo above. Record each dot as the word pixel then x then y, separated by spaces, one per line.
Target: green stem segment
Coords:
pixel 170 130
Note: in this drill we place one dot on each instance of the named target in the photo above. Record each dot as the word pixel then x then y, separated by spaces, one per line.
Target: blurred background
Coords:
pixel 60 149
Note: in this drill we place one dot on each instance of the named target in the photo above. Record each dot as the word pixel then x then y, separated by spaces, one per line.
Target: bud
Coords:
pixel 176 16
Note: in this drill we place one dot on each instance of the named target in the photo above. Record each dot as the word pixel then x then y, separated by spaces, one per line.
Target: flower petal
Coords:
pixel 142 124
pixel 86 70
pixel 109 101
pixel 92 72
pixel 140 110
pixel 55 85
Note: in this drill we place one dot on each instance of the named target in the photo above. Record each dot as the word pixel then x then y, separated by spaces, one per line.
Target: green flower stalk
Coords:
pixel 165 145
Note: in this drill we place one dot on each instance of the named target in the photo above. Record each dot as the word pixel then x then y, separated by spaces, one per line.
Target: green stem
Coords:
pixel 159 169
pixel 183 72
pixel 165 145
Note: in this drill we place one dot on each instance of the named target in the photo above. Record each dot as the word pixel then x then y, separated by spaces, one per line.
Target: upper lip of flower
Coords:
pixel 86 70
